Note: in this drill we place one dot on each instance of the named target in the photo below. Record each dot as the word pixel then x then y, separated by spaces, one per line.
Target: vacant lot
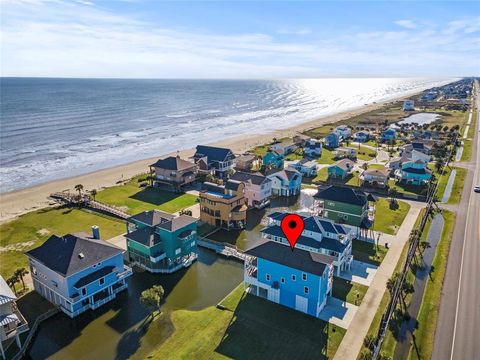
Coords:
pixel 250 328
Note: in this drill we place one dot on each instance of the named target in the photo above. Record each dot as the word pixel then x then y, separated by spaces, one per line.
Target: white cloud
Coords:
pixel 286 31
pixel 407 24
pixel 77 40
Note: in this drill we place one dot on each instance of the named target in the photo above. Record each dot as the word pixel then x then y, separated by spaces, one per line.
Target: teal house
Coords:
pixel 341 169
pixel 414 173
pixel 346 206
pixel 274 159
pixel 160 242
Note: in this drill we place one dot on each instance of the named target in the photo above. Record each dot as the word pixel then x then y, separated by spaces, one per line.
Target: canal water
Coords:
pixel 251 235
pixel 404 337
pixel 120 330
pixel 420 119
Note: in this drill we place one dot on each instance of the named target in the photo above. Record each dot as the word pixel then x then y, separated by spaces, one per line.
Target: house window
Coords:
pixel 34 270
pixel 267 276
pixel 102 281
pixel 282 280
pixel 305 289
pixel 84 291
pixel 178 251
pixel 294 278
pixel 54 283
pixel 304 276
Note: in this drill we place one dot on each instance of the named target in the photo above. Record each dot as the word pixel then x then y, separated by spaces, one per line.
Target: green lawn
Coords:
pixel 322 175
pixel 427 318
pixel 365 153
pixel 408 189
pixel 327 157
pixel 294 156
pixel 260 150
pixel 388 220
pixel 367 252
pixel 32 229
pixel 376 166
pixel 250 328
pixel 467 150
pixel 133 199
pixel 348 291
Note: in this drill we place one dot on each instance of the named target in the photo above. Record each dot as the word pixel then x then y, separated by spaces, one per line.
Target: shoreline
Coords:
pixel 19 202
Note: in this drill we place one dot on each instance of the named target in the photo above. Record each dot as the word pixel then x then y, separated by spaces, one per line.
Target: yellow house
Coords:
pixel 223 206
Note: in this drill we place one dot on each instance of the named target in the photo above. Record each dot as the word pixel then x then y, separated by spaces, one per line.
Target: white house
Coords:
pixel 286 146
pixel 345 152
pixel 308 168
pixel 12 322
pixel 258 188
pixel 375 177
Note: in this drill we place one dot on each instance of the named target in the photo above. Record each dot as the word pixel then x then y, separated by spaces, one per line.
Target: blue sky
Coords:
pixel 249 39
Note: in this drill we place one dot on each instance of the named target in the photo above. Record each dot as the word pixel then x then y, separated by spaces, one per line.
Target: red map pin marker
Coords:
pixel 292 226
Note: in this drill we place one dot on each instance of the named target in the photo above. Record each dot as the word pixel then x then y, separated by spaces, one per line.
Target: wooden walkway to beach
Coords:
pixel 85 200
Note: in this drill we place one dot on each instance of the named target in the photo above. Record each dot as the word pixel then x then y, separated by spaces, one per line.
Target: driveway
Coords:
pixel 360 272
pixel 338 312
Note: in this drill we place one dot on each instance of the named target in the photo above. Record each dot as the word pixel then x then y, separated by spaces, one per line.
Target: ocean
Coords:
pixel 57 128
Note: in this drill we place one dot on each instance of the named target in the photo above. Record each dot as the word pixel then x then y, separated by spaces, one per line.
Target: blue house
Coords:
pixel 286 182
pixel 298 279
pixel 414 173
pixel 160 242
pixel 216 160
pixel 320 235
pixel 273 159
pixel 332 140
pixel 78 272
pixel 361 136
pixel 389 134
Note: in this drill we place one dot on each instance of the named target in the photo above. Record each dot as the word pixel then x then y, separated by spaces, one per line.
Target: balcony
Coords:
pixel 125 272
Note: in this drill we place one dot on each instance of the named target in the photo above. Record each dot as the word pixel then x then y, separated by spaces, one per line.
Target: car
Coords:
pixel 476 189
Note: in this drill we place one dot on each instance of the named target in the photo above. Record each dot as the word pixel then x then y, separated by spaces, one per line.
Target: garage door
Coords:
pixel 301 303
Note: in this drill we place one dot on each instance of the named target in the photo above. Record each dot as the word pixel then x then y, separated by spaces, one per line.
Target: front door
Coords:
pixel 301 303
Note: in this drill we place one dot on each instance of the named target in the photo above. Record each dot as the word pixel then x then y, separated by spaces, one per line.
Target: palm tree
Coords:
pixel 93 192
pixel 20 273
pixel 391 282
pixel 79 188
pixel 11 281
pixel 151 298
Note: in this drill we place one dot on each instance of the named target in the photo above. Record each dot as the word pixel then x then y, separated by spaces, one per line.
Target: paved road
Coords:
pixel 353 340
pixel 458 329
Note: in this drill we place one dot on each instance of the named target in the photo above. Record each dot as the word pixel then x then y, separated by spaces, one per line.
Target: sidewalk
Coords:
pixel 353 339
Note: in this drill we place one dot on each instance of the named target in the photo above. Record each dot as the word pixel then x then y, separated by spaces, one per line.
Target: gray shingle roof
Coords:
pixel 96 275
pixel 298 259
pixel 178 223
pixel 343 194
pixel 256 178
pixel 173 163
pixel 63 254
pixel 145 236
pixel 214 153
pixel 152 217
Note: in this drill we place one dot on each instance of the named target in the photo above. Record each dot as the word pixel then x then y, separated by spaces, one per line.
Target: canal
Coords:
pixel 118 331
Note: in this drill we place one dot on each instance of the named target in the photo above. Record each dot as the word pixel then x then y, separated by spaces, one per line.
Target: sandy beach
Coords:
pixel 19 202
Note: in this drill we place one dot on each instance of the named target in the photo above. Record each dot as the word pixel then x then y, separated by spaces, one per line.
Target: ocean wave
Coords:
pixel 65 135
